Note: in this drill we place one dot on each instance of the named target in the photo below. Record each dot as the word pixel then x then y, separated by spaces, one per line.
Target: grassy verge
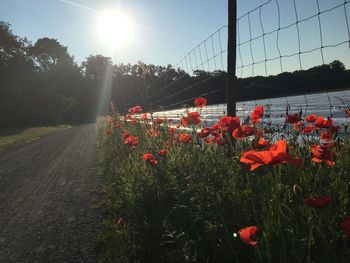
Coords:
pixel 206 200
pixel 12 138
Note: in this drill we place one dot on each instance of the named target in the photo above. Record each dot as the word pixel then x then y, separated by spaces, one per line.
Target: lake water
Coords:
pixel 321 104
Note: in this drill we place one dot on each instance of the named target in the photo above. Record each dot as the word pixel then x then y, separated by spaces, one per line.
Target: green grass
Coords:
pixel 11 138
pixel 191 205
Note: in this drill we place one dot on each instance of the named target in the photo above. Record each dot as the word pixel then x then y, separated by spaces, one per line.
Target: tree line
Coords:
pixel 42 84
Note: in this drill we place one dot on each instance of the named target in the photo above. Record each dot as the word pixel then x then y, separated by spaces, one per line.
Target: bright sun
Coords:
pixel 115 28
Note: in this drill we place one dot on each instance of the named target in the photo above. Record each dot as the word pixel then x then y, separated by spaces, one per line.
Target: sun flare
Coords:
pixel 114 28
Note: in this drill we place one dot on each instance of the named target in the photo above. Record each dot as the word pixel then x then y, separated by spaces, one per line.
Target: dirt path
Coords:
pixel 48 199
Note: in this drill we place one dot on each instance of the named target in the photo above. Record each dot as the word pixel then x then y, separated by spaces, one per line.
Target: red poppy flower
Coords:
pixel 257 114
pixel 345 226
pixel 185 138
pixel 184 121
pixel 328 123
pixel 247 235
pixel 280 146
pixel 149 158
pixel 162 152
pixel 172 131
pixel 347 113
pixel 200 102
pixel 203 133
pixel 125 134
pixel 318 202
pixel 294 118
pixel 136 109
pixel 215 129
pixel 193 118
pixel 158 121
pixel 275 155
pixel 243 131
pixel 262 143
pixel 229 123
pixel 321 122
pixel 219 139
pixel 144 117
pixel 308 129
pixel 131 141
pixel 298 126
pixel 323 153
pixel 327 135
pixel 210 140
pixel 216 126
pixel 310 118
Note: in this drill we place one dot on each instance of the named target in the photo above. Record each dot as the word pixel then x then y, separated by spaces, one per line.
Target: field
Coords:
pixel 238 191
pixel 11 138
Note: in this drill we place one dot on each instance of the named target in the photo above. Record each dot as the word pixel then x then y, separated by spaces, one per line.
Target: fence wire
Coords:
pixel 198 58
pixel 264 37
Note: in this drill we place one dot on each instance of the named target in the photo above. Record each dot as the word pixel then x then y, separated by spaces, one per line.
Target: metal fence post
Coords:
pixel 231 94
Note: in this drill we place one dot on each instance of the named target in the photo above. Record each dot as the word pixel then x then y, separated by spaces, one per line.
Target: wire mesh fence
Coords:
pixel 207 58
pixel 269 41
pixel 274 38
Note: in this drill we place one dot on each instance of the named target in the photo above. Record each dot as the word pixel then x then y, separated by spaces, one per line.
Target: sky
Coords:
pixel 166 30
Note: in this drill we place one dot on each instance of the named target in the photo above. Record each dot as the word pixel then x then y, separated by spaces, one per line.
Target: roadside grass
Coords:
pixel 200 202
pixel 11 138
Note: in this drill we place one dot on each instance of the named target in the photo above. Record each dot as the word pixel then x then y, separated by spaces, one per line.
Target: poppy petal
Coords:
pixel 319 202
pixel 246 234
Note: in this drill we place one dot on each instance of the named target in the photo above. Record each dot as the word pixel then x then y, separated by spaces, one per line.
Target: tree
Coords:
pixel 337 65
pixel 12 47
pixel 15 68
pixel 95 67
pixel 49 53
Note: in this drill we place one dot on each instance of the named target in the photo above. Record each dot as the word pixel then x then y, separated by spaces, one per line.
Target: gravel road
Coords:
pixel 49 199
